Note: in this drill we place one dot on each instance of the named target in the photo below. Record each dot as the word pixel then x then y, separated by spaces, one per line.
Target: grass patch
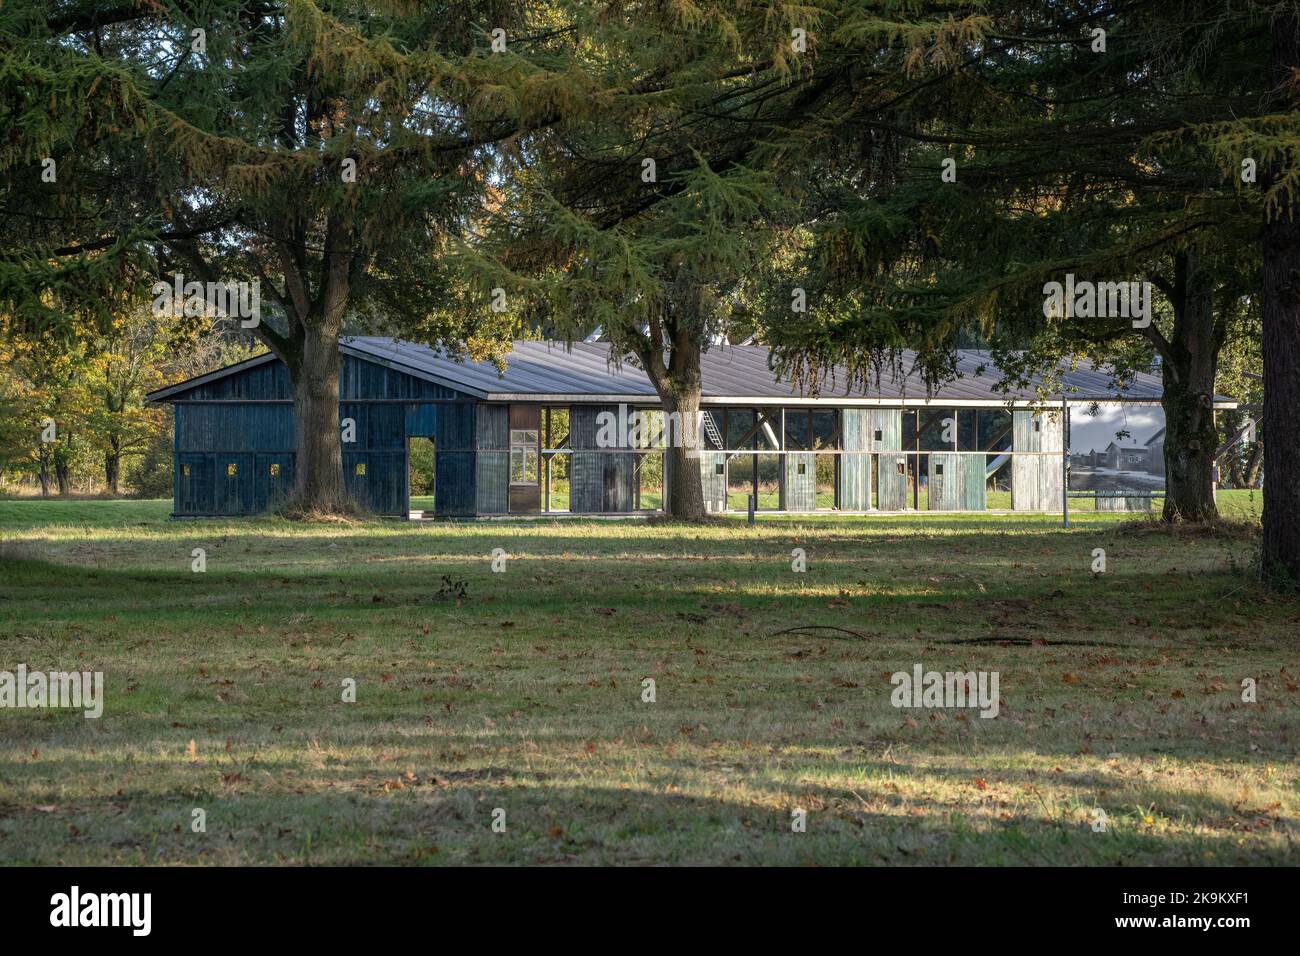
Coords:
pixel 1120 692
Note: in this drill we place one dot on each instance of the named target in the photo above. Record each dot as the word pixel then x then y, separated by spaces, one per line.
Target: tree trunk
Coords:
pixel 1236 472
pixel 1253 461
pixel 43 475
pixel 319 464
pixel 1281 320
pixel 678 383
pixel 1188 372
pixel 685 499
pixel 112 466
pixel 62 477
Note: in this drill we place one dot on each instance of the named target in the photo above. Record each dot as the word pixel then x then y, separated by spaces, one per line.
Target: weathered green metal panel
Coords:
pixel 1121 502
pixel 800 481
pixel 855 465
pixel 956 482
pixel 879 431
pixel 1036 479
pixel 713 480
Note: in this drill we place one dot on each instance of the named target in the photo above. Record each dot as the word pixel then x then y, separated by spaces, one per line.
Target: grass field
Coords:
pixel 1120 692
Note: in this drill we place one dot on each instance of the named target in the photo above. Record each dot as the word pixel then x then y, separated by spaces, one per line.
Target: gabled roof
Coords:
pixel 731 374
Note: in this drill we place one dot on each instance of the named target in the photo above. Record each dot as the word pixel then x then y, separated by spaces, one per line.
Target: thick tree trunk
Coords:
pixel 678 382
pixel 319 463
pixel 63 477
pixel 1281 320
pixel 1188 373
pixel 685 498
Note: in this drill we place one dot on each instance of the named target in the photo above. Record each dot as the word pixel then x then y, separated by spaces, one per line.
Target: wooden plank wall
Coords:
pixel 246 421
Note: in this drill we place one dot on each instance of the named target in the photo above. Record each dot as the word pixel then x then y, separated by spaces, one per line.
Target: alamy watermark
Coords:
pixel 56 689
pixel 1098 300
pixel 648 428
pixel 953 689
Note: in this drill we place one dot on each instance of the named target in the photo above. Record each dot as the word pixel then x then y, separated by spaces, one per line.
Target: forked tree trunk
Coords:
pixel 1281 321
pixel 1188 373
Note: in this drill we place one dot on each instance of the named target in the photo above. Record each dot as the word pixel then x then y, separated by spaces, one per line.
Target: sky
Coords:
pixel 1089 432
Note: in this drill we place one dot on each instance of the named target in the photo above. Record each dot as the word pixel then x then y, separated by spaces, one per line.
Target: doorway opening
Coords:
pixel 422 476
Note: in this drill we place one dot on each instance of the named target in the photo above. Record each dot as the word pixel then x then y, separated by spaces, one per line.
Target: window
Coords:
pixel 801 467
pixel 523 456
pixel 361 468
pixel 275 469
pixel 185 470
pixel 1038 426
pixel 231 470
pixel 902 466
pixel 720 469
pixel 880 434
pixel 938 469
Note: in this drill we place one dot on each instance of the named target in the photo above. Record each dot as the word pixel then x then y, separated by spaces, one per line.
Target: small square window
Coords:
pixel 275 469
pixel 1038 426
pixel 938 469
pixel 231 470
pixel 802 466
pixel 902 466
pixel 720 469
pixel 361 468
pixel 880 434
pixel 185 470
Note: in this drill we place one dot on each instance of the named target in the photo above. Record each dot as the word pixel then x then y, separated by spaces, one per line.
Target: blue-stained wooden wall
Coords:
pixel 232 433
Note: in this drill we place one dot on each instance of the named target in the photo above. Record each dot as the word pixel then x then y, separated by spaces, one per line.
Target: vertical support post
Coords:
pixel 1065 463
pixel 753 503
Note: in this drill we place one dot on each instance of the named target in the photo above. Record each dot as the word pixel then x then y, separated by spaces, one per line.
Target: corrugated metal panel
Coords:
pixel 1107 502
pixel 713 479
pixel 1036 479
pixel 382 488
pixel 855 469
pixel 270 490
pixel 600 481
pixel 492 482
pixel 379 427
pixel 956 482
pixel 492 427
pixel 800 481
pixel 455 479
pixel 221 427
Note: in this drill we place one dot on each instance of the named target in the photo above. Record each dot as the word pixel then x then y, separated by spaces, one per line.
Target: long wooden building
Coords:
pixel 536 437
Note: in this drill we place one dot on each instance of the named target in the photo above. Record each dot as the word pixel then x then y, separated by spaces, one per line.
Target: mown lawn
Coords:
pixel 1120 692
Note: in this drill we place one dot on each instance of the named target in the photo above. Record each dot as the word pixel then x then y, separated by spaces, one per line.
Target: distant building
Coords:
pixel 1125 458
pixel 1156 453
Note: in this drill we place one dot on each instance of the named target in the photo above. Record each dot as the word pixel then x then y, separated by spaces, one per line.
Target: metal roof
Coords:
pixel 731 375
